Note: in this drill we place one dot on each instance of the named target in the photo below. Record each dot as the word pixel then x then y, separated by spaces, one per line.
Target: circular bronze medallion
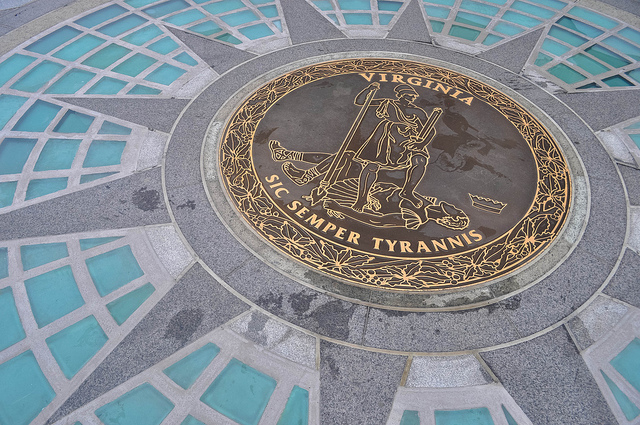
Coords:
pixel 395 174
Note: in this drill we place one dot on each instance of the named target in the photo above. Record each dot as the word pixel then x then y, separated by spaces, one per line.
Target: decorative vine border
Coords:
pixel 530 236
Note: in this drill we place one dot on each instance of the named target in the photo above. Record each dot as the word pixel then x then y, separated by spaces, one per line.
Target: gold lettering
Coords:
pixel 272 178
pixel 353 238
pixel 466 238
pixel 475 235
pixel 329 226
pixel 439 245
pixel 467 100
pixel 423 247
pixel 397 78
pixel 391 244
pixel 414 81
pixel 315 221
pixel 428 84
pixel 302 212
pixel 456 94
pixel 383 78
pixel 368 76
pixel 376 244
pixel 441 88
pixel 405 246
pixel 340 233
pixel 282 189
pixel 455 242
pixel 294 205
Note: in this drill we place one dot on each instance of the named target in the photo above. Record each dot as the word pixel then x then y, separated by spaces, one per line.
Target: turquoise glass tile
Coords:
pixel 635 74
pixel 101 16
pixel 7 191
pixel 53 294
pixel 578 26
pixel 79 48
pixel 41 187
pixel 479 416
pixel 593 17
pixel 437 12
pixel 520 19
pixel 491 39
pixel 358 18
pixel 532 9
pixel 239 18
pixel 607 56
pixel 113 269
pixel 38 76
pixel 323 4
pixel 4 263
pixel 258 2
pixel 636 139
pixel 633 126
pixel 253 32
pixel 12 66
pixel 269 11
pixel 333 17
pixel 93 242
pixel 630 34
pixel 104 152
pixel 25 390
pixel 566 36
pixel 554 4
pixel 623 46
pixel 127 304
pixel 161 9
pixel 9 105
pixel 508 417
pixel 143 35
pixel 554 47
pixel 354 4
pixel 57 154
pixel 109 127
pixel 75 345
pixel 165 74
pixel 70 82
pixel 629 409
pixel 224 6
pixel 278 24
pixel 228 38
pixel 33 256
pixel 443 2
pixel 14 153
pixel 74 122
pixel 472 19
pixel 122 25
pixel 384 18
pixel 240 392
pixel 187 370
pixel 104 58
pixel 507 29
pixel 589 86
pixel 139 3
pixel 627 363
pixel 57 38
pixel 410 417
pixel 12 331
pixel 186 59
pixel 142 90
pixel 500 2
pixel 164 45
pixel 107 85
pixel 205 28
pixel 464 32
pixel 143 405
pixel 474 6
pixel 542 59
pixel 86 178
pixel 296 411
pixel 566 74
pixel 190 420
pixel 185 18
pixel 134 65
pixel 38 117
pixel 591 66
pixel 389 6
pixel 617 81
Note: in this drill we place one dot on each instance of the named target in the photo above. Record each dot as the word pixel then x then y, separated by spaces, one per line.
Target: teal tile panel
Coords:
pixel 185 18
pixel 14 153
pixel 42 187
pixel 239 18
pixel 205 28
pixel 607 56
pixel 74 122
pixel 93 242
pixel 442 2
pixel 507 416
pixel 554 4
pixel 104 152
pixel 12 330
pixel 79 48
pixel 140 3
pixel 520 19
pixel 623 46
pixel 25 390
pixel 269 11
pixel 474 6
pixel 143 405
pixel 258 2
pixel 186 371
pixel 542 59
pixel 107 85
pixel 589 86
pixel 491 39
pixel 566 74
pixel 53 40
pixel 113 269
pixel 102 15
pixel 164 45
pixel 593 17
pixel 635 74
pixel 57 154
pixel 354 4
pixel 384 18
pixel 122 308
pixel 12 66
pixel 109 127
pixel 296 411
pixel 87 178
pixel 70 82
pixel 33 256
pixel 472 19
pixel 122 25
pixel 240 392
pixel 636 139
pixel 633 126
pixel 358 18
pixel 143 35
pixel 165 74
pixel 253 32
pixel 464 32
pixel 224 6
pixel 38 117
pixel 9 105
pixel 437 12
pixel 105 57
pixel 627 363
pixel 143 90
pixel 389 6
pixel 4 263
pixel 410 417
pixel 53 294
pixel 533 10
pixel 507 29
pixel 323 4
pixel 629 409
pixel 38 76
pixel 75 345
pixel 228 38
pixel 566 36
pixel 479 416
pixel 578 26
pixel 554 47
pixel 186 59
pixel 630 34
pixel 161 9
pixel 190 420
pixel 7 192
pixel 617 81
pixel 591 66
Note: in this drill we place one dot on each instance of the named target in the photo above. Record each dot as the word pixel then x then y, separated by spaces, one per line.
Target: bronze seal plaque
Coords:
pixel 394 174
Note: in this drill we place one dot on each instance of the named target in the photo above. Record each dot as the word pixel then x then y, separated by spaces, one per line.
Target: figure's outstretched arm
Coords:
pixel 362 96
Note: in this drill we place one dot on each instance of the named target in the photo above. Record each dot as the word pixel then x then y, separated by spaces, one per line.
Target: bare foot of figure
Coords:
pixel 298 176
pixel 409 196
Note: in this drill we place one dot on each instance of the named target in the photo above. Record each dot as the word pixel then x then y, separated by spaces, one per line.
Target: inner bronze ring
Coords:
pixel 395 175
